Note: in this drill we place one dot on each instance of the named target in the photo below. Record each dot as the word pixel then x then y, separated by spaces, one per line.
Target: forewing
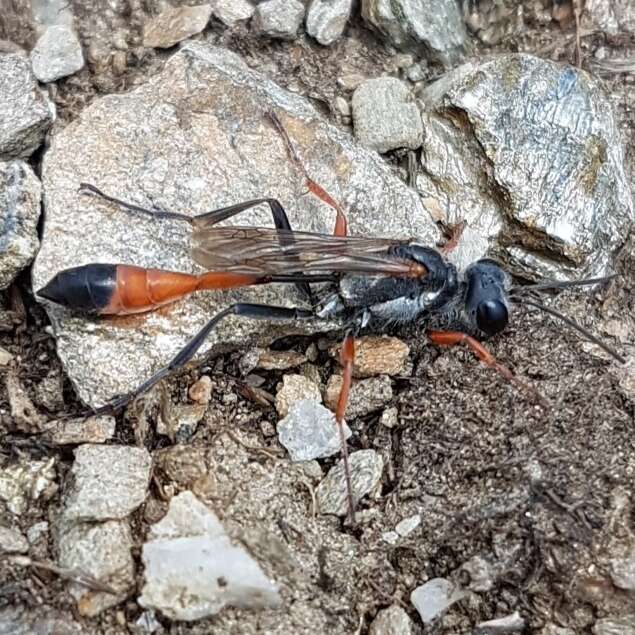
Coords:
pixel 268 251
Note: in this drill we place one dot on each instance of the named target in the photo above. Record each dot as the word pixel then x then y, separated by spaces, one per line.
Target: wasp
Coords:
pixel 364 283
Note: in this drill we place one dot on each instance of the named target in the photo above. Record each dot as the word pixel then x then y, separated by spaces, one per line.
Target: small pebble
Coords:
pixel 366 396
pixel 326 19
pixel 232 12
pixel 391 537
pixel 391 621
pixel 377 355
pixel 434 597
pixel 366 468
pixel 408 525
pixel 342 106
pixel 309 431
pixel 389 417
pixel 513 623
pixel 95 429
pixel 279 360
pixel 12 541
pixel 175 24
pixel 56 54
pixel 385 116
pixel 201 390
pixel 5 356
pixel 295 388
pixel 481 572
pixel 279 19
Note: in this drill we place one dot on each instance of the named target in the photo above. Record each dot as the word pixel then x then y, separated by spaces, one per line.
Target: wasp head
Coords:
pixel 486 299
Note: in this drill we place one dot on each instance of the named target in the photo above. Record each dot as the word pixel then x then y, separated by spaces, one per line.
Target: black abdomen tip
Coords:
pixel 87 289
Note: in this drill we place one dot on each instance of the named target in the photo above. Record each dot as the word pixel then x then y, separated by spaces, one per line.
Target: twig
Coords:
pixel 74 575
pixel 578 51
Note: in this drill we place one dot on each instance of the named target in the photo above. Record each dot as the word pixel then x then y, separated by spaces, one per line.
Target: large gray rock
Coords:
pixel 326 19
pixel 25 111
pixel 436 24
pixel 56 54
pixel 527 151
pixel 385 115
pixel 192 569
pixel 20 196
pixel 192 139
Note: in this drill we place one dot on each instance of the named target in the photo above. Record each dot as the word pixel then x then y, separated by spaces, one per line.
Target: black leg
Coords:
pixel 254 311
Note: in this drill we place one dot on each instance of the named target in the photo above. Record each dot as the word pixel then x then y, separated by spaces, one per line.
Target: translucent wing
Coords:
pixel 269 251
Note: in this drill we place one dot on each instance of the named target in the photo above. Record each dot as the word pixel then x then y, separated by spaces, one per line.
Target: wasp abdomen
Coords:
pixel 87 289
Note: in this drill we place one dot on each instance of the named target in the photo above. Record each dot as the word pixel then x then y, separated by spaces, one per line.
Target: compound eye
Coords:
pixel 491 316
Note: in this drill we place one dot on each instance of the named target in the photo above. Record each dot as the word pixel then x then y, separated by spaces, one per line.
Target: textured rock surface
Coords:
pixel 296 388
pixel 391 621
pixel 326 19
pixel 192 570
pixel 101 550
pixel 279 19
pixel 175 24
pixel 20 196
pixel 385 115
pixel 25 111
pixel 190 140
pixel 110 482
pixel 57 53
pixel 543 138
pixel 309 431
pixel 231 12
pixel 434 597
pixel 12 541
pixel 436 24
pixel 377 355
pixel 366 396
pixel 366 469
pixel 27 481
pixel 80 430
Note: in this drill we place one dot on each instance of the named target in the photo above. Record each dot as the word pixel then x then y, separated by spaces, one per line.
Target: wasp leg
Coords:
pixel 452 338
pixel 347 358
pixel 341 224
pixel 253 311
pixel 453 233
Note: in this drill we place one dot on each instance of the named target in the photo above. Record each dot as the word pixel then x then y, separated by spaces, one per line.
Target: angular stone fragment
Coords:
pixel 101 550
pixel 25 111
pixel 12 541
pixel 278 360
pixel 207 162
pixel 377 355
pixel 513 623
pixel 434 24
pixel 175 24
pixel 546 136
pixel 81 430
pixel 434 597
pixel 623 625
pixel 366 396
pixel 408 525
pixel 110 482
pixel 279 19
pixel 391 621
pixel 296 388
pixel 385 116
pixel 366 468
pixel 192 569
pixel 326 19
pixel 20 195
pixel 56 54
pixel 232 12
pixel 309 431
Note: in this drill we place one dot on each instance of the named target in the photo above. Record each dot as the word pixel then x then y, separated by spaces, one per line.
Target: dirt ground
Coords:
pixel 541 493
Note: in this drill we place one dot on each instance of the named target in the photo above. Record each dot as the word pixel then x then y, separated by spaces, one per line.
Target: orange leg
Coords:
pixel 454 231
pixel 451 338
pixel 347 357
pixel 341 224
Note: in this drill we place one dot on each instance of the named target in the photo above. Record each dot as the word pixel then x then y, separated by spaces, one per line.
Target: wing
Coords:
pixel 269 251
